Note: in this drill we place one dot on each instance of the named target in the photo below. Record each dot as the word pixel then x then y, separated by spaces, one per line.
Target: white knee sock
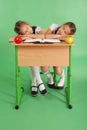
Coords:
pixel 38 77
pixel 50 77
pixel 33 78
pixel 62 80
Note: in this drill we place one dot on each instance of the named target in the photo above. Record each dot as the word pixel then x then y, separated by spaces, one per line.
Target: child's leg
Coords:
pixel 60 72
pixel 34 90
pixel 33 78
pixel 39 80
pixel 46 71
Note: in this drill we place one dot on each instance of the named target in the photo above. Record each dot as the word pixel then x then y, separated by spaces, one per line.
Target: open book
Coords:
pixel 42 40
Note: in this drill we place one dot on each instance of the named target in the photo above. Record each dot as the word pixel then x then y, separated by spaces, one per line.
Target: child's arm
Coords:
pixel 42 31
pixel 48 31
pixel 49 35
pixel 55 36
pixel 32 36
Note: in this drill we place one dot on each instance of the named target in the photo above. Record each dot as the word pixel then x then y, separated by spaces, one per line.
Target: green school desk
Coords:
pixel 30 54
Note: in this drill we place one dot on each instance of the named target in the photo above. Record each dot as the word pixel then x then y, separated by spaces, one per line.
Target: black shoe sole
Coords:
pixel 51 86
pixel 34 93
pixel 57 87
pixel 43 92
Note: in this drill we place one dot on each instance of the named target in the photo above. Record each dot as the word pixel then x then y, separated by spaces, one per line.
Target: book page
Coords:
pixel 51 40
pixel 36 40
pixel 33 40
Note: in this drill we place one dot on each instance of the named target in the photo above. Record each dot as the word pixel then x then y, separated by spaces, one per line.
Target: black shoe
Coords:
pixel 59 87
pixel 51 86
pixel 44 91
pixel 33 92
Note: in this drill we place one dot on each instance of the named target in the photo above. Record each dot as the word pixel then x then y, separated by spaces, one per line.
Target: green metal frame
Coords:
pixel 69 82
pixel 19 89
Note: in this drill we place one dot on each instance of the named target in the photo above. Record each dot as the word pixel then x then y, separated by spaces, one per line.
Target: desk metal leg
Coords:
pixel 69 82
pixel 19 89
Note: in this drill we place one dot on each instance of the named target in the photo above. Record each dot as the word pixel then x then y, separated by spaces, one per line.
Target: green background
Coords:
pixel 43 112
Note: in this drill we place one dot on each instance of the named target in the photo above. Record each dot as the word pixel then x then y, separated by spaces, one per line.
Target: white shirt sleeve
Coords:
pixel 38 29
pixel 53 27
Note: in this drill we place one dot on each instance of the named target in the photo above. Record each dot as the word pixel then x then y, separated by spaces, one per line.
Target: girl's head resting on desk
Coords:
pixel 68 28
pixel 23 28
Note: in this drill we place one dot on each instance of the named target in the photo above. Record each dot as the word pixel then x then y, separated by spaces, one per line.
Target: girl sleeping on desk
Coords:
pixel 25 30
pixel 61 32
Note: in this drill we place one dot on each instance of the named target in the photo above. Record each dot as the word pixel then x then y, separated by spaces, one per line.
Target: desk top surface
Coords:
pixel 43 44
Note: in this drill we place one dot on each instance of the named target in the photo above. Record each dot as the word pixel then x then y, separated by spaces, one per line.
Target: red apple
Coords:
pixel 18 39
